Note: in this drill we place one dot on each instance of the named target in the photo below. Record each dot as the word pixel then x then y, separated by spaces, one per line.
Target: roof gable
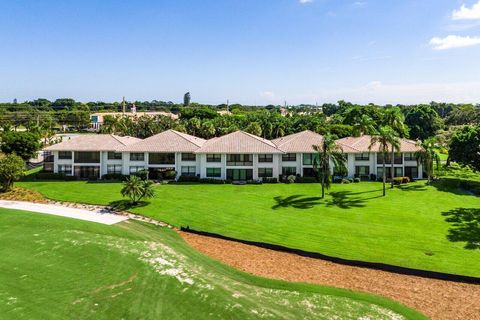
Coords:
pixel 239 142
pixel 300 142
pixel 167 141
pixel 362 144
pixel 93 142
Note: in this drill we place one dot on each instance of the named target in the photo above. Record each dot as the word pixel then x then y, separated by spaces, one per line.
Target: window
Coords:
pixel 362 156
pixel 114 156
pixel 362 171
pixel 398 172
pixel 114 169
pixel 214 172
pixel 388 159
pixel 135 169
pixel 239 159
pixel 48 167
pixel 289 157
pixel 48 157
pixel 64 155
pixel 289 171
pixel 239 174
pixel 263 158
pixel 87 172
pixel 409 156
pixel 411 172
pixel 65 169
pixel 87 157
pixel 310 158
pixel 265 172
pixel 137 156
pixel 189 171
pixel 161 158
pixel 214 158
pixel 310 172
pixel 188 157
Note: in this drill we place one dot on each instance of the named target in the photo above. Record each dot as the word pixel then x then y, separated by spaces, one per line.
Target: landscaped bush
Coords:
pixel 356 180
pixel 401 180
pixel 254 182
pixel 269 180
pixel 169 175
pixel 142 174
pixel 373 177
pixel 306 180
pixel 291 179
pixel 92 178
pixel 346 181
pixel 211 181
pixel 50 176
pixel 452 183
pixel 188 179
pixel 114 176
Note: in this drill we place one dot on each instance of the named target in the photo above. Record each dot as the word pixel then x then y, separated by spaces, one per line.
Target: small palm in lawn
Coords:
pixel 137 189
pixel 394 118
pixel 385 138
pixel 428 156
pixel 328 151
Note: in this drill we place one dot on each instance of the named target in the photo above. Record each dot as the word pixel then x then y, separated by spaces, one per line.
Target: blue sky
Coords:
pixel 247 51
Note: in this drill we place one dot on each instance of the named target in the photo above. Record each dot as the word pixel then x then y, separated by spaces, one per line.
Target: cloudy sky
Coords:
pixel 247 51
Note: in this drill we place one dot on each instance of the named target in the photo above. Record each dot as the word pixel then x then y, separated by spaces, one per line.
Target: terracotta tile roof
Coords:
pixel 239 142
pixel 167 141
pixel 362 144
pixel 93 142
pixel 300 142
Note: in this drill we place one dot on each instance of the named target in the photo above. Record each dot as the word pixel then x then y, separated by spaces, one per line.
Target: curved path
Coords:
pixel 436 298
pixel 99 216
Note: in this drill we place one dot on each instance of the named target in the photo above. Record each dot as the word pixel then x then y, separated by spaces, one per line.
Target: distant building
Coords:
pixel 97 119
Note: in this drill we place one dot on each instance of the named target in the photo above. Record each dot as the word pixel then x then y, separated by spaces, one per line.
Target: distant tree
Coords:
pixel 328 151
pixel 186 99
pixel 465 146
pixel 385 138
pixel 254 128
pixel 394 118
pixel 137 189
pixel 423 121
pixel 428 156
pixel 12 168
pixel 364 125
pixel 24 144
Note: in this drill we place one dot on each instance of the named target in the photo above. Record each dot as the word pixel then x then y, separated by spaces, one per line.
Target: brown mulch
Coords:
pixel 437 299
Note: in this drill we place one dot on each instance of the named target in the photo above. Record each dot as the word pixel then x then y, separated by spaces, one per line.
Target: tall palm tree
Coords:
pixel 427 156
pixel 364 125
pixel 328 151
pixel 385 138
pixel 394 118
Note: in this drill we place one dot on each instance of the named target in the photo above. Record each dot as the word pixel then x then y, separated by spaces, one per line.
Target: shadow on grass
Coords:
pixel 412 187
pixel 348 200
pixel 457 186
pixel 124 205
pixel 465 226
pixel 297 201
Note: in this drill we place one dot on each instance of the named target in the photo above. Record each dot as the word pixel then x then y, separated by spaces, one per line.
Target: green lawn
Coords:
pixel 59 268
pixel 407 228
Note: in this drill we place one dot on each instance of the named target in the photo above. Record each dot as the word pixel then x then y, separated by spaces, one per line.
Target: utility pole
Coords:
pixel 123 105
pixel 228 109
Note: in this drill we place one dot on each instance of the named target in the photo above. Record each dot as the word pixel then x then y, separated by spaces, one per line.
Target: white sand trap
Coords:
pixel 82 214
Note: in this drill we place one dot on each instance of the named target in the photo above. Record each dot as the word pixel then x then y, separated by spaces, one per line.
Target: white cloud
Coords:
pixel 305 1
pixel 466 13
pixel 453 41
pixel 359 3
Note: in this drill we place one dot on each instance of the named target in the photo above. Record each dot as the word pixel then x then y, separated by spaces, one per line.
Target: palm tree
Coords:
pixel 394 118
pixel 427 156
pixel 328 151
pixel 364 125
pixel 385 138
pixel 136 189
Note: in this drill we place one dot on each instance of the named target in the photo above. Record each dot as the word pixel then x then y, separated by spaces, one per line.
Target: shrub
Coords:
pixel 50 176
pixel 92 178
pixel 12 168
pixel 113 176
pixel 291 179
pixel 346 181
pixel 306 180
pixel 254 181
pixel 169 175
pixel 269 180
pixel 211 181
pixel 373 177
pixel 337 180
pixel 188 179
pixel 356 180
pixel 142 174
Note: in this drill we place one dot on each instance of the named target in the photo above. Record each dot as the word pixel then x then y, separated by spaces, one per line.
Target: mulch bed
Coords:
pixel 437 299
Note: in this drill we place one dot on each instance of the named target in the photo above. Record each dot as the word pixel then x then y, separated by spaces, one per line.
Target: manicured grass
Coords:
pixel 407 228
pixel 58 268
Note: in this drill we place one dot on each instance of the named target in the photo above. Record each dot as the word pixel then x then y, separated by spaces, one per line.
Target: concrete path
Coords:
pixel 82 214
